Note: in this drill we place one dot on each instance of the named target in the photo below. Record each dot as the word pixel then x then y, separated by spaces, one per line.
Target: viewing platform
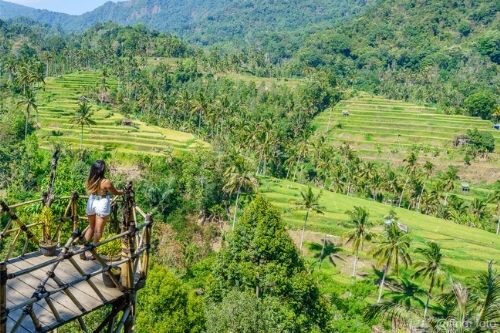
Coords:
pixel 45 287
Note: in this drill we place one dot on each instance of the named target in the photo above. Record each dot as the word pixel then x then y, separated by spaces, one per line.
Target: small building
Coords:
pixel 465 187
pixel 496 126
pixel 461 140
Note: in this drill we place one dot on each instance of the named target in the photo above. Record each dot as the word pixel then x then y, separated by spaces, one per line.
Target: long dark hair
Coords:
pixel 96 175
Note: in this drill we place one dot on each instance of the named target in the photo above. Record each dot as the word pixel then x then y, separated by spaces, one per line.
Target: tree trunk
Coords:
pixel 381 288
pixel 236 207
pixel 403 191
pixel 428 298
pixel 420 197
pixel 498 226
pixel 26 128
pixel 354 265
pixel 303 231
pixel 81 139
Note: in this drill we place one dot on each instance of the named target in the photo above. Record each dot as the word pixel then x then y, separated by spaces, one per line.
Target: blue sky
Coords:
pixel 63 6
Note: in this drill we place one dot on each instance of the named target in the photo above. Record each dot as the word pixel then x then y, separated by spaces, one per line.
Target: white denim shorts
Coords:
pixel 99 205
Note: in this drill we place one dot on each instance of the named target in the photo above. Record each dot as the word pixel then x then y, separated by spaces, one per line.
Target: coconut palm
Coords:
pixel 29 104
pixel 310 203
pixel 476 304
pixel 449 179
pixel 410 168
pixel 359 218
pixel 429 168
pixel 238 180
pixel 392 250
pixel 485 298
pixel 402 306
pixel 82 118
pixel 495 199
pixel 430 267
pixel 479 208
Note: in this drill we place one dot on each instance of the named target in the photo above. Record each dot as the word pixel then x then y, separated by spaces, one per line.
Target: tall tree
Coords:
pixel 392 250
pixel 410 168
pixel 429 168
pixel 261 258
pixel 402 306
pixel 449 178
pixel 82 118
pixel 494 198
pixel 239 179
pixel 309 203
pixel 359 218
pixel 430 267
pixel 29 104
pixel 485 297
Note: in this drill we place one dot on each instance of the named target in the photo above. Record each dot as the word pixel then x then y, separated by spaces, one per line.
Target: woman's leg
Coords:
pixel 100 223
pixel 89 234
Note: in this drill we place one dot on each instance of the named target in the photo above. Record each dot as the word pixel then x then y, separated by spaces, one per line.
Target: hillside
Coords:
pixel 10 10
pixel 437 52
pixel 465 249
pixel 386 130
pixel 59 103
pixel 203 21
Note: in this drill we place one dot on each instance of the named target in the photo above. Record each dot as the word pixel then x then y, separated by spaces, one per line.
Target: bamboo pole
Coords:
pixel 147 244
pixel 3 297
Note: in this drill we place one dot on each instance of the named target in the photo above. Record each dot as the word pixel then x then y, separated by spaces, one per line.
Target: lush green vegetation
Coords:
pixel 423 51
pixel 281 205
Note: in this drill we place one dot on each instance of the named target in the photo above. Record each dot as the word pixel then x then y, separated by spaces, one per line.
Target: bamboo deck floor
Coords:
pixel 59 308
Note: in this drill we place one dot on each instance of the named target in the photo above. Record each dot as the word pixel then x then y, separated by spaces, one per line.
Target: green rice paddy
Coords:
pixel 59 102
pixel 466 249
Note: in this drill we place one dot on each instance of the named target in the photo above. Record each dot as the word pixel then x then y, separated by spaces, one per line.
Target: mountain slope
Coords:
pixel 10 10
pixel 203 21
pixel 437 52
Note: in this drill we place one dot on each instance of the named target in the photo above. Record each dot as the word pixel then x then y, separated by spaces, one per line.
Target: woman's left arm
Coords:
pixel 110 187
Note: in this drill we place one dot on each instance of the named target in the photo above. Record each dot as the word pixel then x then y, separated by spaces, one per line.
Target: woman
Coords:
pixel 99 205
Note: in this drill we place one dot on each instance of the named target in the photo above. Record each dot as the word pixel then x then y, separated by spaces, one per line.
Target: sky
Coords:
pixel 63 6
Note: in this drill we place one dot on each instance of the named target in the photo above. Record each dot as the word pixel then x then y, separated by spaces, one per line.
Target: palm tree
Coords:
pixel 238 179
pixel 83 117
pixel 495 199
pixel 479 208
pixel 430 267
pixel 429 168
pixel 310 202
pixel 485 297
pixel 28 101
pixel 358 217
pixel 478 304
pixel 401 307
pixel 449 179
pixel 393 249
pixel 411 166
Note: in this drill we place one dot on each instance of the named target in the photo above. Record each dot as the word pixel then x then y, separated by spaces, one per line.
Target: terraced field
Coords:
pixel 57 107
pixel 385 130
pixel 466 249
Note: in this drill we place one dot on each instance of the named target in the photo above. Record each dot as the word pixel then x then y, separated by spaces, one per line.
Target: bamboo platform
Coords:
pixel 90 294
pixel 39 294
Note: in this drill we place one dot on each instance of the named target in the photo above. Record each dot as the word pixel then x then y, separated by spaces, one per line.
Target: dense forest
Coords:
pixel 263 225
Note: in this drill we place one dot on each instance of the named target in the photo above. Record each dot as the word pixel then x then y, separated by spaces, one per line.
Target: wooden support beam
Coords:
pixel 3 297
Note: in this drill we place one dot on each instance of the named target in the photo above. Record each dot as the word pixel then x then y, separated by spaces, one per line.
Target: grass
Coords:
pixel 58 104
pixel 386 130
pixel 466 249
